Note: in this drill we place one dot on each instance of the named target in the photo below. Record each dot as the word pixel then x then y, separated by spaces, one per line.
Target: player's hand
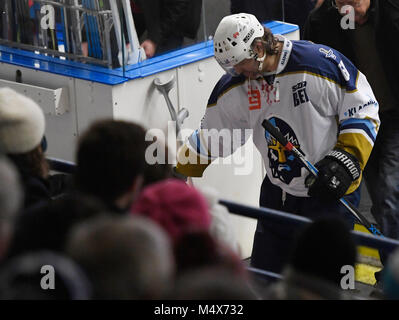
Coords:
pixel 149 47
pixel 337 170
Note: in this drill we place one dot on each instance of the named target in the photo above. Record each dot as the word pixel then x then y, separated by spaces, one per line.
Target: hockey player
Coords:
pixel 318 100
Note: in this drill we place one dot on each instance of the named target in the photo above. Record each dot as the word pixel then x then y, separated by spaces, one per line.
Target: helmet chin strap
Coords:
pixel 261 60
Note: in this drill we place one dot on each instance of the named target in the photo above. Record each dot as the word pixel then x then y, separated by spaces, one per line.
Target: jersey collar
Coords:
pixel 285 55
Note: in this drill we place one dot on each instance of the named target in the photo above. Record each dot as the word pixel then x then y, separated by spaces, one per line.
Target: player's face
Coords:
pixel 248 68
pixel 359 6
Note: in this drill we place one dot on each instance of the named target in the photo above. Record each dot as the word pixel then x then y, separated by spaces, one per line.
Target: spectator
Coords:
pixel 199 249
pixel 46 227
pixel 261 9
pixel 291 11
pixel 296 12
pixel 323 249
pixel 177 207
pixel 221 226
pixel 212 284
pixel 23 278
pixel 125 257
pixel 391 277
pixel 368 43
pixel 314 270
pixel 110 162
pixel 11 197
pixel 167 22
pixel 22 126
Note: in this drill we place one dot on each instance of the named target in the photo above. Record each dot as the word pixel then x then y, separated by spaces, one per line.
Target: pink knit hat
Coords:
pixel 174 205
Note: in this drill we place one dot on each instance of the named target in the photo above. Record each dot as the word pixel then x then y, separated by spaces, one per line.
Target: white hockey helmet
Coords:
pixel 233 38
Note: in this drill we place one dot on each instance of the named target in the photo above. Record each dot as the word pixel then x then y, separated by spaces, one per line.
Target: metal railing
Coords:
pixel 381 243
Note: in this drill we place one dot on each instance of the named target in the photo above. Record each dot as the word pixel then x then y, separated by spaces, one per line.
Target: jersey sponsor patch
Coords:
pixel 353 110
pixel 299 93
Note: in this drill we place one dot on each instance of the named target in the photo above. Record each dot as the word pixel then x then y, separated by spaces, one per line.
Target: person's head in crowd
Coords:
pixel 199 249
pixel 46 227
pixel 43 275
pixel 110 162
pixel 175 206
pixel 360 8
pixel 125 257
pixel 11 197
pixel 212 284
pixel 391 277
pixel 158 161
pixel 22 128
pixel 322 249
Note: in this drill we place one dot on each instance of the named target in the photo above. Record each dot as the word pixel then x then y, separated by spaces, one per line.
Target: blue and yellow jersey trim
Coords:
pixel 305 58
pixel 357 136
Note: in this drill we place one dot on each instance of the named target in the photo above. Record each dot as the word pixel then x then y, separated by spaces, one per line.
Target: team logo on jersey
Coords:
pixel 299 93
pixel 283 164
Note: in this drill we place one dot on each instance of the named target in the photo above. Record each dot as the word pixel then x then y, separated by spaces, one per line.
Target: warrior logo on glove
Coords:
pixel 337 170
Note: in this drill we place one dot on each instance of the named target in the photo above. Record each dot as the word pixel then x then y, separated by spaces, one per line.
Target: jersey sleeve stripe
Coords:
pixel 357 144
pixel 366 125
pixel 195 142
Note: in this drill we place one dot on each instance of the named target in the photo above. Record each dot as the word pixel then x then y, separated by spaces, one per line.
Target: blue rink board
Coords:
pixel 107 76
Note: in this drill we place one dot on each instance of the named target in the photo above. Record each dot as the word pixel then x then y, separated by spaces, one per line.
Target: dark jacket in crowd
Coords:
pixel 38 190
pixel 264 10
pixel 164 18
pixel 323 26
pixel 291 11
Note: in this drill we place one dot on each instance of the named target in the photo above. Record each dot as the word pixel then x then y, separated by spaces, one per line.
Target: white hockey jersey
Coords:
pixel 317 99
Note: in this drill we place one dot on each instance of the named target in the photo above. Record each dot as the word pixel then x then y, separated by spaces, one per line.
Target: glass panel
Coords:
pixel 178 25
pixel 90 31
pixel 69 29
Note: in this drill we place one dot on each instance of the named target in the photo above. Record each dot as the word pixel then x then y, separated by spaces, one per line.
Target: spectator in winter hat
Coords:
pixel 174 205
pixel 22 126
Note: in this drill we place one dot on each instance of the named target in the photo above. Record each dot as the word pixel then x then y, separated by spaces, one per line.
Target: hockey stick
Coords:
pixel 313 170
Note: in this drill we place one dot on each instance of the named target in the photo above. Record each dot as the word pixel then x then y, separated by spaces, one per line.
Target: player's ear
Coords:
pixel 258 48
